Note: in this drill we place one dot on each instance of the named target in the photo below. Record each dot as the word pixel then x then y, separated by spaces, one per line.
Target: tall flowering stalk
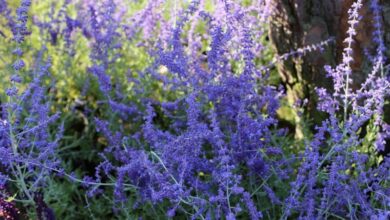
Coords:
pixel 378 35
pixel 19 32
pixel 353 20
pixel 27 148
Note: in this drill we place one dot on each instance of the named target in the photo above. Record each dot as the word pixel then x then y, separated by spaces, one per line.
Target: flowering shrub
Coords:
pixel 166 109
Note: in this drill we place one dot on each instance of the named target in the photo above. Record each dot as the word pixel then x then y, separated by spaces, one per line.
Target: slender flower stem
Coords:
pixel 347 55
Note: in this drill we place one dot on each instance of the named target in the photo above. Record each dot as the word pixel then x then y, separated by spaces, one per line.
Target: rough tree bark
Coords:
pixel 297 23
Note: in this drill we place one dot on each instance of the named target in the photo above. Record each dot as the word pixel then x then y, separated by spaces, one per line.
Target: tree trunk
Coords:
pixel 297 23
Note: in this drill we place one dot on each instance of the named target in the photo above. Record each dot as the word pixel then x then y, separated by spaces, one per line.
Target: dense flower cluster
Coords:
pixel 193 132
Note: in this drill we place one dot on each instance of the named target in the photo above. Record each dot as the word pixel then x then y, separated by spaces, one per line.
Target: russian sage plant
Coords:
pixel 172 115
